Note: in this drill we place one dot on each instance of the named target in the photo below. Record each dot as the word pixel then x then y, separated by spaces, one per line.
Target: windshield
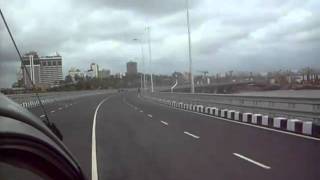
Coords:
pixel 171 89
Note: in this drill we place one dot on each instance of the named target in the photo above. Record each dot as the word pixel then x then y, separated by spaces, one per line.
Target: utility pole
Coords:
pixel 143 64
pixel 190 56
pixel 150 58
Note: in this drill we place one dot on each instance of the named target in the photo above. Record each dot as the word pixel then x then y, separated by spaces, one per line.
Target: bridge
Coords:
pixel 165 135
pixel 224 87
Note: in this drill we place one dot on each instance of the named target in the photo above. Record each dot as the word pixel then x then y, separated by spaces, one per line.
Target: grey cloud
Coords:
pixel 142 7
pixel 249 35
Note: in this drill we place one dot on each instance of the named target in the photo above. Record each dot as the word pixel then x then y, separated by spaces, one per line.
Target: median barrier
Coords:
pixel 280 122
pixel 307 128
pixel 207 110
pixel 247 117
pixel 224 112
pixel 200 108
pixel 231 114
pixel 217 112
pixel 181 105
pixel 256 119
pixel 237 116
pixel 294 125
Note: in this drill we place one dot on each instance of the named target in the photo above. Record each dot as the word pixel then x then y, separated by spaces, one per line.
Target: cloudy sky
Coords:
pixel 240 35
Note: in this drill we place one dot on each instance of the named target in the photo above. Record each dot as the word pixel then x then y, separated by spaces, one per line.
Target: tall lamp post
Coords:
pixel 189 42
pixel 143 65
pixel 150 58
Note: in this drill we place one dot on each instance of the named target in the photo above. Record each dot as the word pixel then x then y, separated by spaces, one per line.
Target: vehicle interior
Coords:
pixel 29 148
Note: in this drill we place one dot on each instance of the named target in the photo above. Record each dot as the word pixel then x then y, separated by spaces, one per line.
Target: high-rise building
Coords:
pixel 132 68
pixel 93 72
pixel 44 71
pixel 32 63
pixel 51 70
pixel 95 69
pixel 75 73
pixel 104 73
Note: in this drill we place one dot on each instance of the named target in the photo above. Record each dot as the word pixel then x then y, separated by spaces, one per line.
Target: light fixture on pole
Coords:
pixel 150 58
pixel 142 58
pixel 189 42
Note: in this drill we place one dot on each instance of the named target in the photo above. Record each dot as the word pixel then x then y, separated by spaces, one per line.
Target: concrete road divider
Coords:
pixel 257 119
pixel 307 128
pixel 181 105
pixel 280 122
pixel 294 125
pixel 267 121
pixel 247 117
pixel 207 110
pixel 217 112
pixel 194 107
pixel 224 113
pixel 213 111
pixel 200 108
pixel 237 116
pixel 231 114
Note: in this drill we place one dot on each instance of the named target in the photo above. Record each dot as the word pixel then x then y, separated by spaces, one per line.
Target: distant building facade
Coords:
pixel 95 69
pixel 31 61
pixel 75 73
pixel 51 70
pixel 132 68
pixel 45 71
pixel 104 73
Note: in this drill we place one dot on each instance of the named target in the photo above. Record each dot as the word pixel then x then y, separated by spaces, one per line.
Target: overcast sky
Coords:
pixel 240 35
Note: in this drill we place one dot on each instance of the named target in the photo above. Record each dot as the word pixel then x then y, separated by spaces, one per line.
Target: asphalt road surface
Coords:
pixel 139 139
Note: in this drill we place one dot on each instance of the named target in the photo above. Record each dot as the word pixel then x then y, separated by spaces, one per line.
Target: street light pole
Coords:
pixel 150 58
pixel 143 64
pixel 189 42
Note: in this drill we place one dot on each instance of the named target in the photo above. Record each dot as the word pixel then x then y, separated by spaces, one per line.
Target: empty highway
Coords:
pixel 122 136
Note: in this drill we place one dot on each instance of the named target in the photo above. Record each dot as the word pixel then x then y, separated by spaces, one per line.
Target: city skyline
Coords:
pixel 251 36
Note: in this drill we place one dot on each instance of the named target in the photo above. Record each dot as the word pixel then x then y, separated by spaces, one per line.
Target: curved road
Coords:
pixel 140 139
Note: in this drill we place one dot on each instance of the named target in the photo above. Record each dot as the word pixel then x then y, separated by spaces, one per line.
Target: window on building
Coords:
pixel 54 63
pixel 49 63
pixel 59 63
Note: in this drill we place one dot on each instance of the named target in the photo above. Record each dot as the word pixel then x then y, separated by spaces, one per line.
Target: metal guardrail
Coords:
pixel 51 96
pixel 307 109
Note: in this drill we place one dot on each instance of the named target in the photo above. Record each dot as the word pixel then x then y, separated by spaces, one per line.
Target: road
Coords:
pixel 139 139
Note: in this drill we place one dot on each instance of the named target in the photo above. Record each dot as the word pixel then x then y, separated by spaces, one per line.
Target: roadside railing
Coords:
pixel 30 100
pixel 307 109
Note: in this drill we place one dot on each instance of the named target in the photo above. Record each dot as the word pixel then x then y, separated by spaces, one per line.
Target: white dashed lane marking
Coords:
pixel 192 135
pixel 150 115
pixel 42 116
pixel 52 111
pixel 252 161
pixel 165 123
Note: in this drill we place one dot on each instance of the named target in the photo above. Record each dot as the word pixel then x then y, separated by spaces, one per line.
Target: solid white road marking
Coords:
pixel 42 116
pixel 252 161
pixel 242 123
pixel 94 166
pixel 150 115
pixel 165 123
pixel 52 111
pixel 192 135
